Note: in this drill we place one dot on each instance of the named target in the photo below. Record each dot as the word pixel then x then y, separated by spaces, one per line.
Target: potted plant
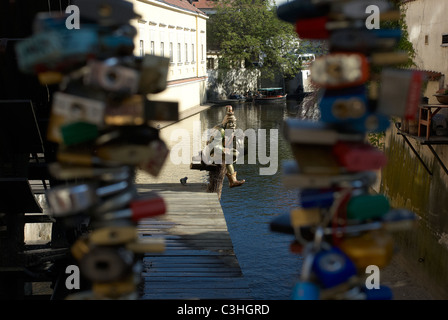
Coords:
pixel 442 95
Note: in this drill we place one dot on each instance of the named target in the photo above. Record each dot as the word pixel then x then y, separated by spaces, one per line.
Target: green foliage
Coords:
pixel 250 31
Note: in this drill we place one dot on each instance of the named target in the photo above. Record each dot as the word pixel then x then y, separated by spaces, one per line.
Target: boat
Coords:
pixel 269 95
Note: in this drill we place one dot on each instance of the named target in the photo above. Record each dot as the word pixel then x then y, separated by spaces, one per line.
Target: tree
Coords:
pixel 248 31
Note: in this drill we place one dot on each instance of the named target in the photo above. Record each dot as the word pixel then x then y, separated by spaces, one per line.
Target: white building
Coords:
pixel 175 29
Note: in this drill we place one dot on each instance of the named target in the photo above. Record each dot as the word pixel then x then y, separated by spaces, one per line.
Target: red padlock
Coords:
pixel 314 28
pixel 139 209
pixel 359 156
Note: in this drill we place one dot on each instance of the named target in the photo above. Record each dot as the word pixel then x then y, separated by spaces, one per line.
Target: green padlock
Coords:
pixel 78 132
pixel 367 206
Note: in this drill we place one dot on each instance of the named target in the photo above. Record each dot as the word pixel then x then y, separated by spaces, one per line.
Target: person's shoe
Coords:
pixel 233 182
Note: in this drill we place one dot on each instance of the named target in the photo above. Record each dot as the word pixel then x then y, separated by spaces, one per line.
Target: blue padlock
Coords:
pixel 304 290
pixel 344 105
pixel 382 293
pixel 364 40
pixel 312 198
pixel 333 267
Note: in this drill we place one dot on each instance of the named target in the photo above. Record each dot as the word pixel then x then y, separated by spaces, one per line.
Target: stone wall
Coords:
pixel 409 185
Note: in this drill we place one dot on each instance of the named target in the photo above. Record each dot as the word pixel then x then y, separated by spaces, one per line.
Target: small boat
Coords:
pixel 269 95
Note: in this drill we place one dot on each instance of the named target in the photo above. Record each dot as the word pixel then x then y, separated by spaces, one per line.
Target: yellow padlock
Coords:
pixel 115 289
pixel 371 248
pixel 147 245
pixel 50 77
pixel 305 217
pixel 113 235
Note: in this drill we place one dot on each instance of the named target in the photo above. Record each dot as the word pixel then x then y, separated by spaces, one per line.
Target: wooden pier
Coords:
pixel 199 261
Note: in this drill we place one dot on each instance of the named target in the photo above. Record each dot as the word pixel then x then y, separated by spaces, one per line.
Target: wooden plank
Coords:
pixel 199 261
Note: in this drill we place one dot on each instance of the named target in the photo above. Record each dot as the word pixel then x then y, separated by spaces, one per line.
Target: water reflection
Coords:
pixel 264 256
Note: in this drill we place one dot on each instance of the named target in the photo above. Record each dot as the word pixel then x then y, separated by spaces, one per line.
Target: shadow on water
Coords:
pixel 264 256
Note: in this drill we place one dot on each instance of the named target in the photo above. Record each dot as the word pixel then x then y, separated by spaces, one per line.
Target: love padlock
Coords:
pixel 315 159
pixel 333 267
pixel 370 248
pixel 359 156
pixel 367 206
pixel 113 235
pixel 106 264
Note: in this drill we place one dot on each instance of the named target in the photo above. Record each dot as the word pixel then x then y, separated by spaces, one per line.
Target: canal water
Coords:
pixel 264 256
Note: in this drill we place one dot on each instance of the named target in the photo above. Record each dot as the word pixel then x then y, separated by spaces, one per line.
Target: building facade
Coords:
pixel 177 30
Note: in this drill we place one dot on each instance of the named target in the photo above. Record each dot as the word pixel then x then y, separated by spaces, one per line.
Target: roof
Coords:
pixel 204 4
pixel 183 4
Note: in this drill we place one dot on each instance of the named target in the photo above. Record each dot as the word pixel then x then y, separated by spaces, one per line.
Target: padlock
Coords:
pixel 113 235
pixel 320 198
pixel 67 108
pixel 47 21
pixel 370 248
pixel 356 9
pixel 382 293
pixel 161 110
pixel 333 267
pixel 106 264
pixel 400 93
pixel 305 291
pixel 337 107
pixel 398 220
pixel 315 159
pixel 142 246
pixel 315 132
pixel 115 289
pixel 388 58
pixel 371 122
pixel 159 152
pixel 106 13
pixel 56 50
pixel 312 28
pixel 359 156
pixel 305 217
pixel 364 41
pixel 50 77
pixel 116 42
pixel 78 132
pixel 367 206
pixel 80 247
pixel 132 154
pixel 109 75
pixel 296 10
pixel 74 198
pixel 340 70
pixel 143 207
pixel 293 178
pixel 154 73
pixel 126 112
pixel 115 202
pixel 61 171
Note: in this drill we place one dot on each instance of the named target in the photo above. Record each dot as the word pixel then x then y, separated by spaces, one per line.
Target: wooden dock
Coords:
pixel 199 261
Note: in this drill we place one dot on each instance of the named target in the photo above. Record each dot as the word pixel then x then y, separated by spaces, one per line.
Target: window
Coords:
pixel 444 40
pixel 192 52
pixel 202 52
pixel 426 39
pixel 152 47
pixel 162 49
pixel 179 55
pixel 171 52
pixel 210 63
pixel 186 52
pixel 142 48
